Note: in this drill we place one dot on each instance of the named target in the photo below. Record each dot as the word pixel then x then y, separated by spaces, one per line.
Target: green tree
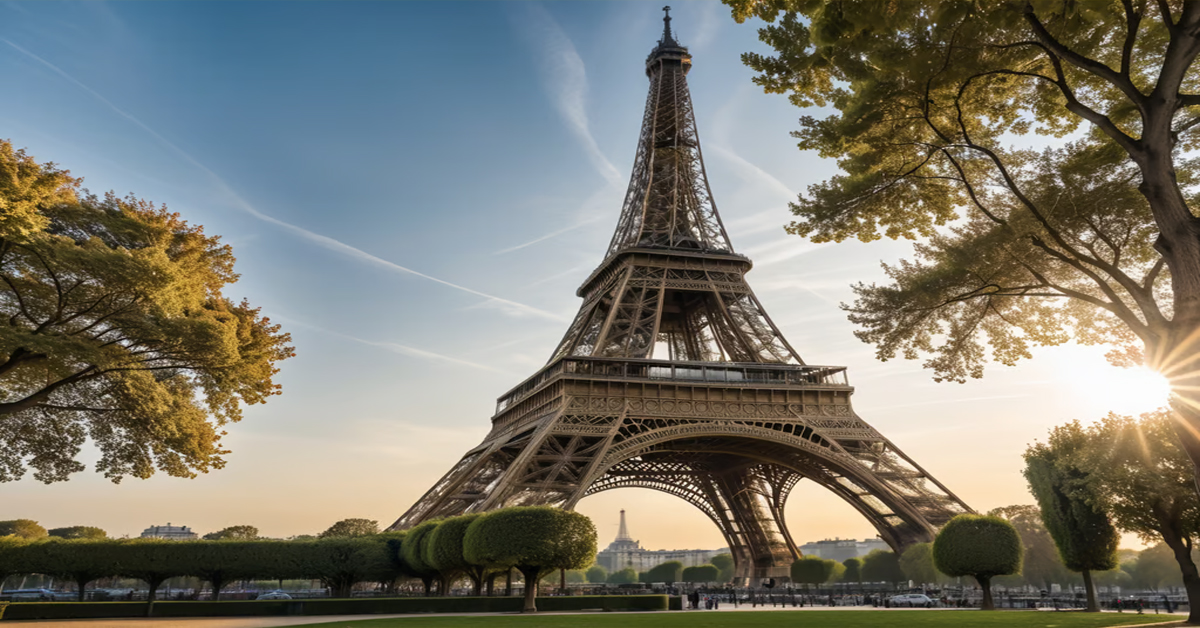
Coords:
pixel 725 563
pixel 233 533
pixel 78 560
pixel 979 546
pixel 1155 568
pixel 351 527
pixel 342 561
pixel 882 566
pixel 534 539
pixel 1085 537
pixel 853 571
pixel 1137 472
pixel 699 574
pixel 927 98
pixel 444 551
pixel 414 549
pixel 78 532
pixel 13 558
pixel 118 332
pixel 152 561
pixel 596 574
pixel 808 570
pixel 838 571
pixel 669 572
pixel 627 575
pixel 215 562
pixel 917 564
pixel 1042 565
pixel 24 528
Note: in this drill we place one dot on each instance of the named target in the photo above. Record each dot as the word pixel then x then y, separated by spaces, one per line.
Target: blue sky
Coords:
pixel 415 190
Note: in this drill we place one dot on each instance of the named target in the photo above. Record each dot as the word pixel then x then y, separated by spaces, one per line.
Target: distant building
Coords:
pixel 842 549
pixel 174 533
pixel 625 552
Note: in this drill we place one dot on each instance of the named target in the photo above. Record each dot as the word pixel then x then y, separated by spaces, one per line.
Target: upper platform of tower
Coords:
pixel 669 204
pixel 668 49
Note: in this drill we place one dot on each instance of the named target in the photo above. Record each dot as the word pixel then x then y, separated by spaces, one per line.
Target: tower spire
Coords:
pixel 623 532
pixel 667 38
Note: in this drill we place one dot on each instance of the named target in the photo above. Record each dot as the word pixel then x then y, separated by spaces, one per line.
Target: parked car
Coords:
pixel 912 599
pixel 274 595
pixel 28 595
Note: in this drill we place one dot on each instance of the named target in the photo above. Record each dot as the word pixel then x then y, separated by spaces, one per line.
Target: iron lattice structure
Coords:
pixel 672 377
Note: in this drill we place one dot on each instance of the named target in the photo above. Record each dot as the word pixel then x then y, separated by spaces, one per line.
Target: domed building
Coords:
pixel 624 552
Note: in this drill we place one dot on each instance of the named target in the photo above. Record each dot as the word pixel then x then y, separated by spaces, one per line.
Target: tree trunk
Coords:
pixel 531 574
pixel 476 583
pixel 428 582
pixel 82 588
pixel 508 583
pixel 1187 419
pixel 491 583
pixel 1092 605
pixel 985 583
pixel 217 583
pixel 562 581
pixel 1191 577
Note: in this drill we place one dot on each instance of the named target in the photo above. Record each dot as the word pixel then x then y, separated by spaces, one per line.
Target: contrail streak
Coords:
pixel 244 205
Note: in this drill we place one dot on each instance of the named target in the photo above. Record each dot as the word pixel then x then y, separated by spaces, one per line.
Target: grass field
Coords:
pixel 773 619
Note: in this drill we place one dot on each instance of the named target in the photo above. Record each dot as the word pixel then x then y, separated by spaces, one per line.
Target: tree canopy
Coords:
pixel 669 572
pixel 628 575
pixel 810 569
pixel 1091 240
pixel 853 571
pixel 724 562
pixel 24 528
pixel 534 539
pixel 1041 565
pixel 78 532
pixel 414 551
pixel 596 574
pixel 698 574
pixel 1085 537
pixel 233 533
pixel 882 566
pixel 444 551
pixel 351 527
pixel 917 564
pixel 1137 472
pixel 979 546
pixel 117 332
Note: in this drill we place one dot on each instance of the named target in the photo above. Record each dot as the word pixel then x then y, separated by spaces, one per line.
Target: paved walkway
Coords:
pixel 272 622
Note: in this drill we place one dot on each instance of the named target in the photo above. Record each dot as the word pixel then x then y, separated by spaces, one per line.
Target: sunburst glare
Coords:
pixel 1107 388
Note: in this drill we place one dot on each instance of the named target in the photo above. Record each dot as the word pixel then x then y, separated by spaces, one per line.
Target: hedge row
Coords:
pixel 272 608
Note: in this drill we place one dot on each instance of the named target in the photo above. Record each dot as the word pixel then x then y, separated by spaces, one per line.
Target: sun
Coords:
pixel 1106 388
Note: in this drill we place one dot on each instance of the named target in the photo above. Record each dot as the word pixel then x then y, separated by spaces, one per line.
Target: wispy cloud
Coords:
pixel 749 171
pixel 393 347
pixel 326 242
pixel 552 234
pixel 564 78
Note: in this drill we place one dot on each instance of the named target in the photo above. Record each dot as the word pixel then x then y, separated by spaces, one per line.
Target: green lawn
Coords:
pixel 772 619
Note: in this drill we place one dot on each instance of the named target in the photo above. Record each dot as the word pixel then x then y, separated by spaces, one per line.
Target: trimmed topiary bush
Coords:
pixel 534 539
pixel 978 546
pixel 669 572
pixel 444 551
pixel 701 573
pixel 811 570
pixel 413 551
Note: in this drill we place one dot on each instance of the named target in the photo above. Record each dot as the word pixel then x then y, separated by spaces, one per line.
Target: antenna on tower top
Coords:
pixel 667 25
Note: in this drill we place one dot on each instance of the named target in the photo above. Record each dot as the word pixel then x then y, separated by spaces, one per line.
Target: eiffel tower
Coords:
pixel 672 377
